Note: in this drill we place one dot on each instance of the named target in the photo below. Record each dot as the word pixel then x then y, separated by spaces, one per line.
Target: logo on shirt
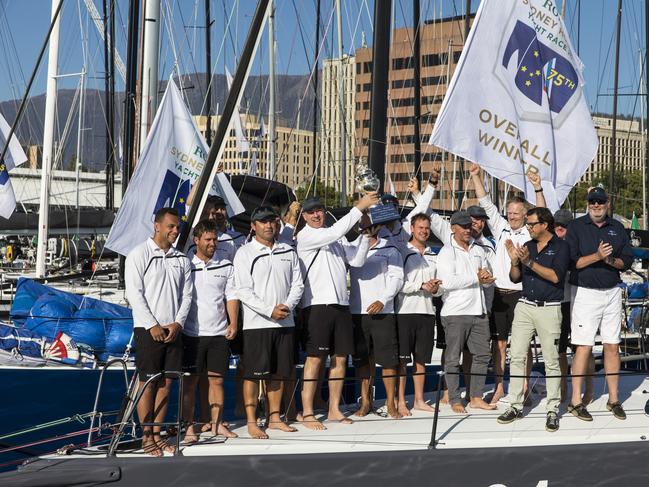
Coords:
pixel 612 233
pixel 551 252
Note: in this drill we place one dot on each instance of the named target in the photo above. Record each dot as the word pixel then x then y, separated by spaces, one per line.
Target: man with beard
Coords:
pixel 599 247
pixel 159 290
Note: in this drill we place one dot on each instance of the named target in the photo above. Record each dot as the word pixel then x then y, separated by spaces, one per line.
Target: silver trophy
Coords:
pixel 366 179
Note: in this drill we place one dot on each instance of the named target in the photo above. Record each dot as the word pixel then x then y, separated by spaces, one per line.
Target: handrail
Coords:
pixel 130 409
pixel 100 382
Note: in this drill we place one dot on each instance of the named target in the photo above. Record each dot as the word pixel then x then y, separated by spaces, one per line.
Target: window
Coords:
pixel 402 63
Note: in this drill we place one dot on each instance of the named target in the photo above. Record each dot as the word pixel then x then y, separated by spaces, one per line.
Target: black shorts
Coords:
pixel 328 330
pixel 206 354
pixel 376 336
pixel 236 345
pixel 439 329
pixel 153 357
pixel 502 314
pixel 269 351
pixel 416 337
pixel 564 339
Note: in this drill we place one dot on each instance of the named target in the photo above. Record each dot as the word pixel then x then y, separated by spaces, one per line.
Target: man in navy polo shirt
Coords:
pixel 599 248
pixel 541 265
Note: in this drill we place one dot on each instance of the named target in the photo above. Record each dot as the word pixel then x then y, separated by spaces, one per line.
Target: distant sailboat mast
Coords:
pixel 150 54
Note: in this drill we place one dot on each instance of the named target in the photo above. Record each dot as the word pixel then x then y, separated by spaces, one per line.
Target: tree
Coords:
pixel 329 195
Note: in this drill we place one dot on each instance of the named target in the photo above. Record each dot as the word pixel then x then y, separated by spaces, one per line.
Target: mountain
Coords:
pixel 290 89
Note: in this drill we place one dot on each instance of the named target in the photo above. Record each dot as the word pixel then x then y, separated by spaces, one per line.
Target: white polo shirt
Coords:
pixel 264 278
pixel 458 270
pixel 418 269
pixel 379 279
pixel 502 231
pixel 324 256
pixel 213 286
pixel 158 285
pixel 229 242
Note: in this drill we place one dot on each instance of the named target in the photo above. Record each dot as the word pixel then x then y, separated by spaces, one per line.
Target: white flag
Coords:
pixel 15 156
pixel 242 141
pixel 516 101
pixel 171 162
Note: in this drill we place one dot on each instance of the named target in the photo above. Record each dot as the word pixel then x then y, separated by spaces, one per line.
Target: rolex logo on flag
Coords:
pixel 516 102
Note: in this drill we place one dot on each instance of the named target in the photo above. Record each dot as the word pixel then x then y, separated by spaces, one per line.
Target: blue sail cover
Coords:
pixel 104 327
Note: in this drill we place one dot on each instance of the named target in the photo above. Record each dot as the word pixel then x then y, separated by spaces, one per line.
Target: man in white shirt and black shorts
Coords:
pixel 211 324
pixel 324 255
pixel 159 290
pixel 269 285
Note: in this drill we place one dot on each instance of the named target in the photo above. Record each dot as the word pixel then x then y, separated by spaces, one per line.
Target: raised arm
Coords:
pixel 535 179
pixel 496 221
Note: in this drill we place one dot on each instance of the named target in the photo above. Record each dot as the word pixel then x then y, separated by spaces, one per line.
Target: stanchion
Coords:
pixel 440 388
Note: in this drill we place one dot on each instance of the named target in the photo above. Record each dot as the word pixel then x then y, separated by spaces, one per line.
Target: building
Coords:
pixel 337 74
pixel 295 162
pixel 441 45
pixel 629 146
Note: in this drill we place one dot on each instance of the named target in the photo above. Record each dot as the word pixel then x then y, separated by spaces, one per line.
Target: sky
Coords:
pixel 24 23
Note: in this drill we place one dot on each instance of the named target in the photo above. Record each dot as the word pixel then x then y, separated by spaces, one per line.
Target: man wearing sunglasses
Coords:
pixel 540 265
pixel 599 248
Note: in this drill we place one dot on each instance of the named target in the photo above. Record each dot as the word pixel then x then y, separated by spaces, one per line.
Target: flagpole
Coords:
pixel 150 53
pixel 416 51
pixel 613 149
pixel 646 93
pixel 208 69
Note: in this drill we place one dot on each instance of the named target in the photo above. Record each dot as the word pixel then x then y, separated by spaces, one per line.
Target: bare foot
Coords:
pixel 444 399
pixel 164 445
pixel 282 426
pixel 339 417
pixel 190 435
pixel 363 410
pixel 224 430
pixel 403 409
pixel 479 403
pixel 311 422
pixel 150 447
pixel 423 406
pixel 499 393
pixel 206 427
pixel 256 432
pixel 393 412
pixel 458 408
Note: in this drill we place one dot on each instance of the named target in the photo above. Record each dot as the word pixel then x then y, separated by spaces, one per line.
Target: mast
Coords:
pixel 316 74
pixel 341 101
pixel 82 88
pixel 48 139
pixel 272 162
pixel 642 135
pixel 416 54
pixel 150 52
pixel 109 100
pixel 379 95
pixel 208 74
pixel 645 167
pixel 613 153
pixel 129 105
pixel 225 121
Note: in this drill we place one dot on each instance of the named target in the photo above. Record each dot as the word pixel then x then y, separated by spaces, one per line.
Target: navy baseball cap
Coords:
pixel 312 203
pixel 263 213
pixel 216 201
pixel 389 199
pixel 597 193
pixel 562 218
pixel 461 218
pixel 477 212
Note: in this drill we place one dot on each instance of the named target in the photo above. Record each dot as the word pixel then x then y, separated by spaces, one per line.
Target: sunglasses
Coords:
pixel 597 202
pixel 532 224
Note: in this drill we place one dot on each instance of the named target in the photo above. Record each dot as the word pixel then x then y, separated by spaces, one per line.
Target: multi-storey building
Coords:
pixel 336 102
pixel 629 146
pixel 293 149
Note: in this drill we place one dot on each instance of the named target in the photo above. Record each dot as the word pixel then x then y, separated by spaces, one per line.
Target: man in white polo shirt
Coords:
pixel 373 288
pixel 159 290
pixel 324 255
pixel 211 324
pixel 463 269
pixel 269 285
pixel 507 292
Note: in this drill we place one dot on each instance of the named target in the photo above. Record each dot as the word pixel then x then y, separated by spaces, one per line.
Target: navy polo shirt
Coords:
pixel 584 237
pixel 556 256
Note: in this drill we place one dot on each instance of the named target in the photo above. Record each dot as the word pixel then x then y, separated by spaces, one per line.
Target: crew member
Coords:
pixel 159 290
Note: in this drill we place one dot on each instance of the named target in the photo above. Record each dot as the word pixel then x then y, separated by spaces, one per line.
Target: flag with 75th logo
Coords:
pixel 516 101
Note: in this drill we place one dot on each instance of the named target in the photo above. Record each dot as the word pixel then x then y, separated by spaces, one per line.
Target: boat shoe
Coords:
pixel 509 416
pixel 580 411
pixel 616 409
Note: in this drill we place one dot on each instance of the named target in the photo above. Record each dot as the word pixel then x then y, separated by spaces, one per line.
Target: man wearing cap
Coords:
pixel 324 254
pixel 562 219
pixel 540 265
pixel 462 267
pixel 600 249
pixel 374 287
pixel 416 313
pixel 507 293
pixel 268 282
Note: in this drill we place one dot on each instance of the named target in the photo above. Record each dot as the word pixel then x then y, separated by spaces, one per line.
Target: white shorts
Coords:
pixel 593 309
